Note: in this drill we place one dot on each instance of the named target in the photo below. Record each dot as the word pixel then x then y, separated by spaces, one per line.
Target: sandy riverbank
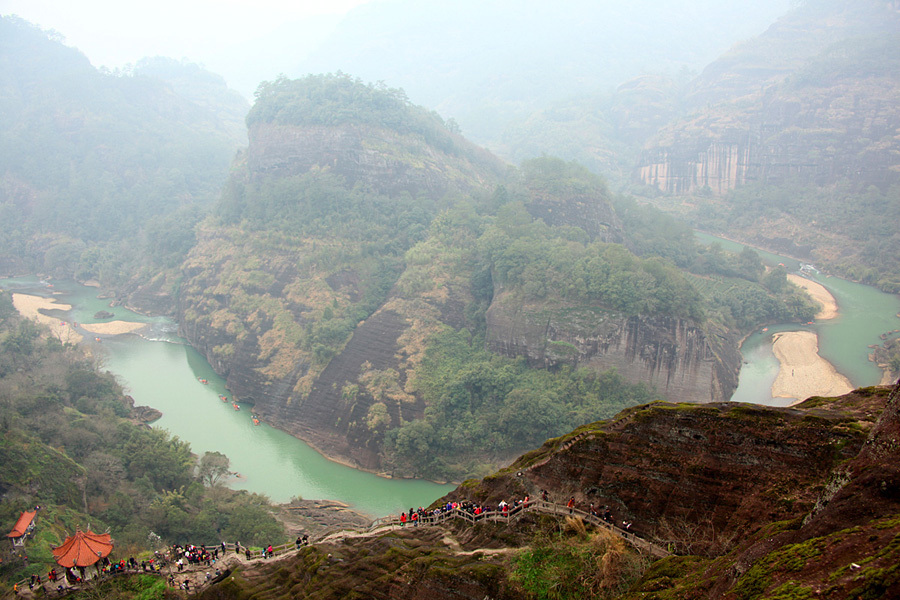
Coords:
pixel 30 306
pixel 803 372
pixel 113 327
pixel 819 294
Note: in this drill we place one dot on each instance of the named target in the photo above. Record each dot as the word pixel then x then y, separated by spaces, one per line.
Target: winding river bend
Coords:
pixel 159 369
pixel 864 313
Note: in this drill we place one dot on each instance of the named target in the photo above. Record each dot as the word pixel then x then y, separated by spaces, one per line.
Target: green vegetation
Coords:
pixel 577 564
pixel 339 99
pixel 850 229
pixel 297 263
pixel 544 264
pixel 481 405
pixel 736 289
pixel 293 264
pixel 67 446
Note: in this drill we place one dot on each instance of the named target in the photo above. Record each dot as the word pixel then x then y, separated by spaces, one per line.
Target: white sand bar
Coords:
pixel 113 327
pixel 803 372
pixel 30 306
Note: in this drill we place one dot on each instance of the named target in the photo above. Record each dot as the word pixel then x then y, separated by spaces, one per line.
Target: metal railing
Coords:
pixel 497 516
pixel 431 519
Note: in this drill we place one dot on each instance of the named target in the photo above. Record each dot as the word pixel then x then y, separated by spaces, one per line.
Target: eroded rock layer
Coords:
pixel 676 356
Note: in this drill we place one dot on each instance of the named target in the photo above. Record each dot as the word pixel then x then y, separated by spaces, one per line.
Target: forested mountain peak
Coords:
pixel 490 64
pixel 367 133
pixel 27 50
pixel 806 35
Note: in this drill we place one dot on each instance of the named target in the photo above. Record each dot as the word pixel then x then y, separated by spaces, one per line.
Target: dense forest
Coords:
pixel 70 446
pixel 340 99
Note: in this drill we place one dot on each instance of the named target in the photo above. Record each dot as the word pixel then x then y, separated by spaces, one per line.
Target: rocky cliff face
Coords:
pixel 732 466
pixel 813 99
pixel 333 416
pixel 812 135
pixel 317 306
pixel 682 360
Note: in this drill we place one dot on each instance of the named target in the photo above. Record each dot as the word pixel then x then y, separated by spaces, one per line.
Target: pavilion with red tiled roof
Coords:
pixel 83 549
pixel 23 527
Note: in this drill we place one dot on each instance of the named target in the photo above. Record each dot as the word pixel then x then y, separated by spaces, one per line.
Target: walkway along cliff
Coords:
pixel 728 501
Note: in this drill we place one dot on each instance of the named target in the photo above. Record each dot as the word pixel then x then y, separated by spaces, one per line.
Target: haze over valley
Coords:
pixel 436 239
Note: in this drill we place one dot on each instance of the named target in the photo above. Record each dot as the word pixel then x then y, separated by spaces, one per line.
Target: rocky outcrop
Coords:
pixel 592 213
pixel 716 165
pixel 141 414
pixel 681 359
pixel 806 135
pixel 731 465
pixel 378 158
pixel 761 498
pixel 331 418
pixel 754 501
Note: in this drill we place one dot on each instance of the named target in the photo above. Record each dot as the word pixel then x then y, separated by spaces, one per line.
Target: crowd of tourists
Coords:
pixel 474 510
pixel 190 557
pixel 194 555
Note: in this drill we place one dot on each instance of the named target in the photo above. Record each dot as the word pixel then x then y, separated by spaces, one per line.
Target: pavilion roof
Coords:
pixel 22 524
pixel 83 549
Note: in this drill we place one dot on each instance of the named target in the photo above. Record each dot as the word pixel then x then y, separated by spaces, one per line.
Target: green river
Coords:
pixel 160 370
pixel 864 314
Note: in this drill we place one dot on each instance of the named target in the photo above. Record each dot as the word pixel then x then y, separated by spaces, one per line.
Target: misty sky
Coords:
pixel 249 41
pixel 113 33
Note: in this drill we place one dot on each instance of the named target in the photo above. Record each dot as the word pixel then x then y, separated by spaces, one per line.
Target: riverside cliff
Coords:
pixel 371 279
pixel 677 356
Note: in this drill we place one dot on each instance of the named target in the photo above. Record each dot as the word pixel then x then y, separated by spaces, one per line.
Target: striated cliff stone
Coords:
pixel 758 496
pixel 330 418
pixel 728 466
pixel 678 357
pixel 807 135
pixel 718 166
pixel 813 99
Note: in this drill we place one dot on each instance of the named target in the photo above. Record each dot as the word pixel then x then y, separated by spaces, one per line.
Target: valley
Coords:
pixel 336 269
